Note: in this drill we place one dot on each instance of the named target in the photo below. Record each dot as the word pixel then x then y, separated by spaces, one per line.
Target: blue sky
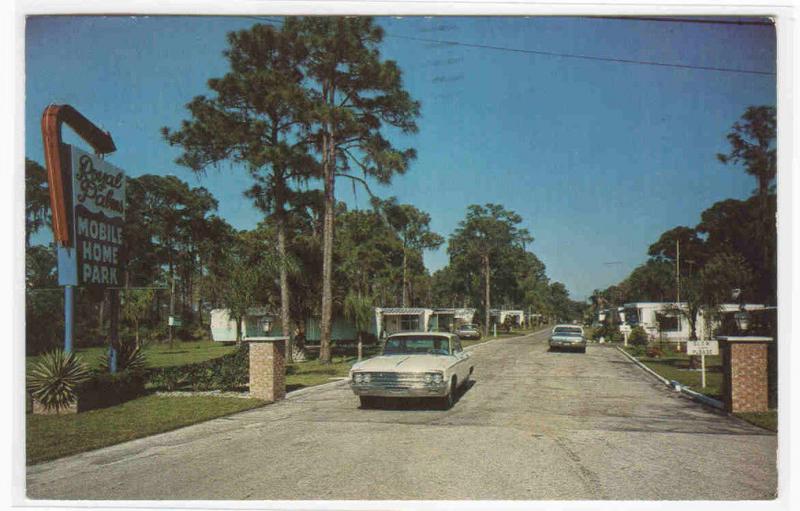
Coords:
pixel 598 157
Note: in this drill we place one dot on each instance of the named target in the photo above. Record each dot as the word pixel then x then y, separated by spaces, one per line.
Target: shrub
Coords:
pixel 609 332
pixel 638 336
pixel 229 372
pixel 105 389
pixel 654 352
pixel 636 351
pixel 54 380
pixel 129 358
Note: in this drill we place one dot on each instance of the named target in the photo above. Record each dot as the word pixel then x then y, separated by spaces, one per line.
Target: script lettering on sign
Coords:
pixel 99 205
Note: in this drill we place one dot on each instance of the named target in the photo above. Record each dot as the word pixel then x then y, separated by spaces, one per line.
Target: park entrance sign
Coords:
pixel 98 190
pixel 87 206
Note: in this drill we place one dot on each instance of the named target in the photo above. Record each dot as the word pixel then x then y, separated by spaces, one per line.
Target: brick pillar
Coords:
pixel 745 380
pixel 268 369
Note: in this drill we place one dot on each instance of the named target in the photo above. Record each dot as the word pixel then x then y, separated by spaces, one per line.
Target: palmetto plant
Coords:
pixel 54 380
pixel 130 357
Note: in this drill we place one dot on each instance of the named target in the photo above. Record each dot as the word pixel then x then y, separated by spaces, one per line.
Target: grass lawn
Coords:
pixel 54 436
pixel 159 355
pixel 767 420
pixel 311 372
pixel 675 366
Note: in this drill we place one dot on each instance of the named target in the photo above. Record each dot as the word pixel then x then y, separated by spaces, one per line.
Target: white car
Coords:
pixel 568 336
pixel 414 364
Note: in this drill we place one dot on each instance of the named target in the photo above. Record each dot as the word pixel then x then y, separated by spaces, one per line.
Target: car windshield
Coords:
pixel 568 331
pixel 408 345
pixel 466 327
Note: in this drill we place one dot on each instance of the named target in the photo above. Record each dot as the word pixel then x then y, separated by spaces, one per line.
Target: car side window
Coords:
pixel 456 346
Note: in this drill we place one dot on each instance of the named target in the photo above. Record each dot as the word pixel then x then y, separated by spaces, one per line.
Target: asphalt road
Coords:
pixel 534 425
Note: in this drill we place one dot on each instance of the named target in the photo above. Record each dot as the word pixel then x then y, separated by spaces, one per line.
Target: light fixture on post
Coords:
pixel 266 324
pixel 741 316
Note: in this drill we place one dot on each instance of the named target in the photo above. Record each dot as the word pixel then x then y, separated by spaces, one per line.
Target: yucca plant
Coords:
pixel 54 380
pixel 130 357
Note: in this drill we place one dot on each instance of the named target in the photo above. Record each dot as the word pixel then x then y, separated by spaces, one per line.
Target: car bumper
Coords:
pixel 567 344
pixel 469 337
pixel 365 389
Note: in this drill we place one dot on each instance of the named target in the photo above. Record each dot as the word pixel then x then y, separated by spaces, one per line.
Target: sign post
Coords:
pixel 626 332
pixel 702 348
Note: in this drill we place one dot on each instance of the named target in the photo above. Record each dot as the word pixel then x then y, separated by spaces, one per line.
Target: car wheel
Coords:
pixel 583 350
pixel 447 402
pixel 367 402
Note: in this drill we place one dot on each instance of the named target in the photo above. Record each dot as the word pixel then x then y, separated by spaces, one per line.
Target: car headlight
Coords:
pixel 358 377
pixel 366 377
pixel 437 378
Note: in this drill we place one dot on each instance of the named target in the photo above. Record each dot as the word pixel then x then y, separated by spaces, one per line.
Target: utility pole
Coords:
pixel 678 271
pixel 171 310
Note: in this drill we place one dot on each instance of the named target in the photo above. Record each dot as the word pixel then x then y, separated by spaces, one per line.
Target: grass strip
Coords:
pixel 53 436
pixel 767 420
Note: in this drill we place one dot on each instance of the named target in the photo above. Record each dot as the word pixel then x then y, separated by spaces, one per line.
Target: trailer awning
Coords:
pixel 403 311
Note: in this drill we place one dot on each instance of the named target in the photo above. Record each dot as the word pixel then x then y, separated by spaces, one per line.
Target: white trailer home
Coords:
pixel 223 327
pixel 665 319
pixel 254 322
pixel 449 319
pixel 390 320
pixel 498 316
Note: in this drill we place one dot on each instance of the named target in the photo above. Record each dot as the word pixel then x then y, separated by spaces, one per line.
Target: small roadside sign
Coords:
pixel 702 348
pixel 626 332
pixel 174 321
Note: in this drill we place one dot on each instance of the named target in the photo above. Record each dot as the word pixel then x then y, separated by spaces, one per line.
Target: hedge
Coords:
pixel 106 389
pixel 228 372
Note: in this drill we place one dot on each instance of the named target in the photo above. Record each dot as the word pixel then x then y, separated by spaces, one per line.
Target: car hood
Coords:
pixel 405 363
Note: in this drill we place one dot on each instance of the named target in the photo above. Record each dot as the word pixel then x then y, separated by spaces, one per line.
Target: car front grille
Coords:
pixel 397 381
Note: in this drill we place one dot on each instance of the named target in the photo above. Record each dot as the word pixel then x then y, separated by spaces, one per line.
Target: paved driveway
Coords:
pixel 534 425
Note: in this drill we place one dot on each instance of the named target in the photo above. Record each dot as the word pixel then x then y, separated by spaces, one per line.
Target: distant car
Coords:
pixel 413 364
pixel 469 331
pixel 569 337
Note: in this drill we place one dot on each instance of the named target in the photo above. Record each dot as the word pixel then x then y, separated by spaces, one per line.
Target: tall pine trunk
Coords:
pixel 284 281
pixel 171 299
pixel 487 298
pixel 405 279
pixel 328 172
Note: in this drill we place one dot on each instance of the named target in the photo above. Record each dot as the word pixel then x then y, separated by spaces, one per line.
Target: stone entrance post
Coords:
pixel 745 380
pixel 267 367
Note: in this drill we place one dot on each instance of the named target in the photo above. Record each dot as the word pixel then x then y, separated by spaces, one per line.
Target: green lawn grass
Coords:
pixel 311 372
pixel 54 436
pixel 767 420
pixel 158 354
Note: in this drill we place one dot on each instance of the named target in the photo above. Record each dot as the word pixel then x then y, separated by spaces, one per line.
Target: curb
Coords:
pixel 301 392
pixel 696 396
